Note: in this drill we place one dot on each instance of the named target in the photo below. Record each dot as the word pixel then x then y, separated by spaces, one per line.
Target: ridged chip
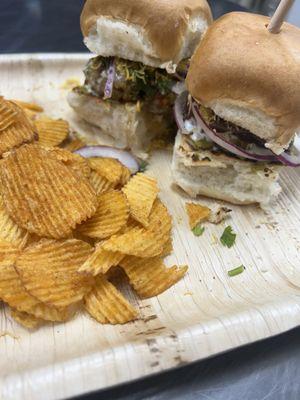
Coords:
pixel 144 242
pixel 150 277
pixel 136 241
pixel 109 168
pixel 42 194
pixel 28 321
pixel 168 248
pixel 14 294
pixel 107 305
pixel 126 174
pixel 74 144
pixel 141 192
pixel 8 114
pixel 9 230
pixel 197 213
pixel 17 133
pixel 101 261
pixel 51 132
pixel 49 271
pixel 29 106
pixel 110 217
pixel 100 184
pixel 78 164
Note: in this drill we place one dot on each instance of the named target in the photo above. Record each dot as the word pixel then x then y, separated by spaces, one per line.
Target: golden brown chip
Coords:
pixel 51 132
pixel 8 114
pixel 168 248
pixel 101 261
pixel 74 144
pixel 49 271
pixel 43 195
pixel 126 174
pixel 136 241
pixel 111 216
pixel 109 168
pixel 150 277
pixel 17 133
pixel 9 230
pixel 28 321
pixel 160 222
pixel 100 184
pixel 197 213
pixel 107 305
pixel 141 192
pixel 14 294
pixel 78 164
pixel 29 106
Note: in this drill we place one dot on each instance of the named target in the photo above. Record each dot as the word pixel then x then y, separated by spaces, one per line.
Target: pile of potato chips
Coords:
pixel 66 221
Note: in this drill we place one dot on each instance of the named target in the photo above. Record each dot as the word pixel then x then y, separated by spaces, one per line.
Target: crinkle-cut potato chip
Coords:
pixel 21 131
pixel 110 217
pixel 16 296
pixel 141 192
pixel 107 305
pixel 49 271
pixel 110 168
pixel 168 248
pixel 74 144
pixel 28 321
pixel 28 106
pixel 52 132
pixel 150 277
pixel 99 183
pixel 126 175
pixel 8 114
pixel 9 230
pixel 136 241
pixel 8 253
pixel 42 194
pixel 100 261
pixel 78 164
pixel 197 213
pixel 144 242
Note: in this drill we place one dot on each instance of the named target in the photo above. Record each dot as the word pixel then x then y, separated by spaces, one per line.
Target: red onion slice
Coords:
pixel 179 110
pixel 265 154
pixel 110 80
pixel 123 156
pixel 292 160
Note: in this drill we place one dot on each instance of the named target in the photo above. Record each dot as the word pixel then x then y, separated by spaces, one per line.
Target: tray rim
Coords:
pixel 82 56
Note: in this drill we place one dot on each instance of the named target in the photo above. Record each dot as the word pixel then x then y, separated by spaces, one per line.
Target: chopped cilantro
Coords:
pixel 143 166
pixel 236 271
pixel 228 237
pixel 198 230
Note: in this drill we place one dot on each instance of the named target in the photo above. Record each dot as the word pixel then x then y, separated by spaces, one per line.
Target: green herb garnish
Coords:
pixel 236 271
pixel 143 166
pixel 228 237
pixel 198 230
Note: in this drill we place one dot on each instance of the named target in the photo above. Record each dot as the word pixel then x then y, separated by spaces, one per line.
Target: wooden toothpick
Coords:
pixel 279 15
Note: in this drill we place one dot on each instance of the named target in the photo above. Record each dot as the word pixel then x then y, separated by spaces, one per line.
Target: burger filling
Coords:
pixel 134 82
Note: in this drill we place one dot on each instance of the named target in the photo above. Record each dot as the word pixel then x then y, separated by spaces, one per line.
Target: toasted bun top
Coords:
pixel 164 22
pixel 240 62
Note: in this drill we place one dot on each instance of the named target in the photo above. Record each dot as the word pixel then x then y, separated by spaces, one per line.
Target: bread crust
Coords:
pixel 164 22
pixel 240 63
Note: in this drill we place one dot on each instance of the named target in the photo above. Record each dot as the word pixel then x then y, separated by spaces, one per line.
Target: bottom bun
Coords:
pixel 131 129
pixel 223 177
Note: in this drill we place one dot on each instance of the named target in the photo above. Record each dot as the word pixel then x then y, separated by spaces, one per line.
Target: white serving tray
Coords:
pixel 204 314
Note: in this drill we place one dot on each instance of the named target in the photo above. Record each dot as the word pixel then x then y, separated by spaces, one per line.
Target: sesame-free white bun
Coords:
pixel 130 128
pixel 223 177
pixel 250 76
pixel 159 33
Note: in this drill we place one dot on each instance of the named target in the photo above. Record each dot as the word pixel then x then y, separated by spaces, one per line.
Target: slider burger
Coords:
pixel 143 48
pixel 238 120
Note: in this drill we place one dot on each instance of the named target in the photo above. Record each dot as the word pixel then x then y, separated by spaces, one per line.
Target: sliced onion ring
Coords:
pixel 291 160
pixel 123 156
pixel 232 148
pixel 110 80
pixel 179 109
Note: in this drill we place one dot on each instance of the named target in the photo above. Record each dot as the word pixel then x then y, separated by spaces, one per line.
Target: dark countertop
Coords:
pixel 266 370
